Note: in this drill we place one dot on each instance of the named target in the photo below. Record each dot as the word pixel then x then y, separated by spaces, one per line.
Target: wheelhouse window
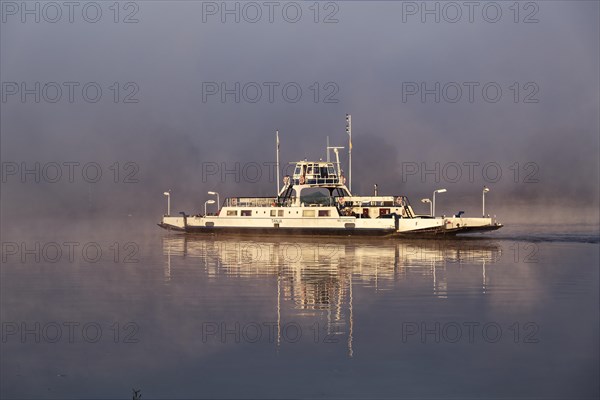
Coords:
pixel 323 171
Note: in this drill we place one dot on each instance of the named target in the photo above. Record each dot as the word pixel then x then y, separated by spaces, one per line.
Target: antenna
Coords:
pixel 277 151
pixel 349 132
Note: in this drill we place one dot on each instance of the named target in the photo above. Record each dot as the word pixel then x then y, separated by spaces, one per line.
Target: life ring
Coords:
pixel 399 201
pixel 302 180
pixel 341 200
pixel 343 180
pixel 286 180
pixel 234 202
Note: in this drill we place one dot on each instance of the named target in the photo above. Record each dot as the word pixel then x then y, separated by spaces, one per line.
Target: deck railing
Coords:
pixel 255 202
pixel 373 201
pixel 315 180
pixel 356 201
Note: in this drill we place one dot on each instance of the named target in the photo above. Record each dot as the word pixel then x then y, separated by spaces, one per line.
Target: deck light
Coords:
pixel 207 202
pixel 218 201
pixel 168 194
pixel 485 190
pixel 434 192
pixel 428 201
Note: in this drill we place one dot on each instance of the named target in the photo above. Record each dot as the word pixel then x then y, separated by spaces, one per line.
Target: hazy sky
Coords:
pixel 370 59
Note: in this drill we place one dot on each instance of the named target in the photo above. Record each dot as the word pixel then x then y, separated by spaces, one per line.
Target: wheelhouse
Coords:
pixel 316 173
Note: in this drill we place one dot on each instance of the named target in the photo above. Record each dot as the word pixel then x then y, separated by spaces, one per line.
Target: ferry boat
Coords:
pixel 340 213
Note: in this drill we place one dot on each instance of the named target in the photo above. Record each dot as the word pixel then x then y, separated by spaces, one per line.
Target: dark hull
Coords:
pixel 281 231
pixel 329 231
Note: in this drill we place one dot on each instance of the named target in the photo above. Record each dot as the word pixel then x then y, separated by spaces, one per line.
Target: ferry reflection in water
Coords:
pixel 318 274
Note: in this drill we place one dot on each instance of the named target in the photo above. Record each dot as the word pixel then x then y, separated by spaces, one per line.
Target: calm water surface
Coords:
pixel 507 315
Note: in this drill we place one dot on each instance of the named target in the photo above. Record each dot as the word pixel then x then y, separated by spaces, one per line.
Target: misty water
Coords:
pixel 508 314
pixel 106 105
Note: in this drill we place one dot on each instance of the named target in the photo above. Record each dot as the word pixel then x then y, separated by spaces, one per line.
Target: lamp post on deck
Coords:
pixel 207 202
pixel 434 192
pixel 168 194
pixel 485 190
pixel 428 201
pixel 218 201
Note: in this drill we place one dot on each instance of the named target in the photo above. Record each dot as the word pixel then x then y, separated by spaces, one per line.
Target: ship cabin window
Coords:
pixel 280 213
pixel 324 172
pixel 384 211
pixel 324 213
pixel 246 213
pixel 308 213
pixel 273 213
pixel 232 213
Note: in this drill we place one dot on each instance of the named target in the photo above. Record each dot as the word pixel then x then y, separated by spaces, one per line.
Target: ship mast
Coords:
pixel 349 132
pixel 277 162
